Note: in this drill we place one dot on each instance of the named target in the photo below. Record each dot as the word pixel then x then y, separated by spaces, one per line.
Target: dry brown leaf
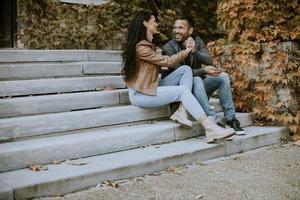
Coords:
pixel 171 169
pixel 108 88
pixel 237 158
pixel 99 89
pixel 155 174
pixel 284 141
pixel 56 162
pixel 37 167
pixel 111 183
pixel 57 195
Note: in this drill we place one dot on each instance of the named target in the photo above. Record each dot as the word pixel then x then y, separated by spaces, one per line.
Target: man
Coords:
pixel 206 79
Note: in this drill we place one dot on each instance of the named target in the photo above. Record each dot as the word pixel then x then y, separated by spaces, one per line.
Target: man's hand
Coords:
pixel 210 70
pixel 190 42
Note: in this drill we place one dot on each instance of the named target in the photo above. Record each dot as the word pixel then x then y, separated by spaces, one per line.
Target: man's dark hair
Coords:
pixel 187 18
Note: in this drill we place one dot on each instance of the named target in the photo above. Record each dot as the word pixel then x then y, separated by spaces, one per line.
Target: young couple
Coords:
pixel 184 81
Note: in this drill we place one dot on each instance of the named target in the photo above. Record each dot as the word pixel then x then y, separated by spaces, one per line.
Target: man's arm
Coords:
pixel 202 55
pixel 169 50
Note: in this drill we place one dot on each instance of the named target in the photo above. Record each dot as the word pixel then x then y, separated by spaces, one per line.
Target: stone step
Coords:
pixel 30 105
pixel 21 106
pixel 17 71
pixel 19 127
pixel 58 85
pixel 14 55
pixel 102 68
pixel 65 178
pixel 16 155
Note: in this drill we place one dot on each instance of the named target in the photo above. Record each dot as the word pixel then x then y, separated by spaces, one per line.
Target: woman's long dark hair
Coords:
pixel 136 32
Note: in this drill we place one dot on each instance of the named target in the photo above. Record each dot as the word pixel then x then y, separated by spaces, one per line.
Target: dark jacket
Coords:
pixel 194 60
pixel 148 62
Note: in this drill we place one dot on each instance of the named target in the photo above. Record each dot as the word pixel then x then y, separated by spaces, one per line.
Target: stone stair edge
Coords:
pixel 17 155
pixel 244 118
pixel 17 127
pixel 64 102
pixel 159 132
pixel 130 163
pixel 38 70
pixel 21 106
pixel 57 50
pixel 59 85
pixel 58 55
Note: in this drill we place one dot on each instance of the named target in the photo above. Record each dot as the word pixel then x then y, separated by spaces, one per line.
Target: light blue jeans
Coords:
pixel 176 87
pixel 204 88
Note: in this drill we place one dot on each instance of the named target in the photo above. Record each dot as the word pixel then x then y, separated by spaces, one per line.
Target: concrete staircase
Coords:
pixel 59 105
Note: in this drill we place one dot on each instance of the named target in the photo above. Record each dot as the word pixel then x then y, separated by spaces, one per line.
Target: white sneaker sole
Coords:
pixel 240 132
pixel 213 138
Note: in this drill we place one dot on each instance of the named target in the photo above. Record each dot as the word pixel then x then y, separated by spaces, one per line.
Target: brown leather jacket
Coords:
pixel 148 63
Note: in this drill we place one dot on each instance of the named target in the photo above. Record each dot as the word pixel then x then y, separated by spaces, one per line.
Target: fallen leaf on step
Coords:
pixel 76 162
pixel 237 158
pixel 111 183
pixel 57 195
pixel 56 162
pixel 108 88
pixel 37 167
pixel 155 174
pixel 284 141
pixel 199 196
pixel 171 169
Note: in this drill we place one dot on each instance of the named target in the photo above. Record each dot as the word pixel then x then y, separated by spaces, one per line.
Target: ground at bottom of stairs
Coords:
pixel 269 173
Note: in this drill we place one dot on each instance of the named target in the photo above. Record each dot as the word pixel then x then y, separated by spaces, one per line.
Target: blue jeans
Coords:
pixel 176 87
pixel 204 88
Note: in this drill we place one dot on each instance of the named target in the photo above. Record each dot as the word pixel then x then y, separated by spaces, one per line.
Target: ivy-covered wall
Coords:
pixel 261 53
pixel 54 25
pixel 48 24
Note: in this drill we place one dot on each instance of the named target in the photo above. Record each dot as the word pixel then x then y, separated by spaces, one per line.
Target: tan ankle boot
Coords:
pixel 214 132
pixel 181 116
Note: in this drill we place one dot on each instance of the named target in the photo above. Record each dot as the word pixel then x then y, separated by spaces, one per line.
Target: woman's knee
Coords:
pixel 183 88
pixel 185 69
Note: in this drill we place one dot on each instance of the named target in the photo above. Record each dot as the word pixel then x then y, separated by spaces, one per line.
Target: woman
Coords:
pixel 141 70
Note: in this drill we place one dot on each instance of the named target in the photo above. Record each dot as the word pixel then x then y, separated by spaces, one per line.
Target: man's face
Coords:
pixel 182 30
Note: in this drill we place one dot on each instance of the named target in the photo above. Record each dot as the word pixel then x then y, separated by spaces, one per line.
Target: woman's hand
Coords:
pixel 190 42
pixel 189 49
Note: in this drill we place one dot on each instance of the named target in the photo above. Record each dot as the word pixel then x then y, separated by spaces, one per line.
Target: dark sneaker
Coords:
pixel 221 124
pixel 235 124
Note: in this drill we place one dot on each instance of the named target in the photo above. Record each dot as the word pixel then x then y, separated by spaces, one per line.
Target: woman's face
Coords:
pixel 151 25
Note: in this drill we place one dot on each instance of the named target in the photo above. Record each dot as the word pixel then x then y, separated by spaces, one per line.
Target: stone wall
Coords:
pixel 265 79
